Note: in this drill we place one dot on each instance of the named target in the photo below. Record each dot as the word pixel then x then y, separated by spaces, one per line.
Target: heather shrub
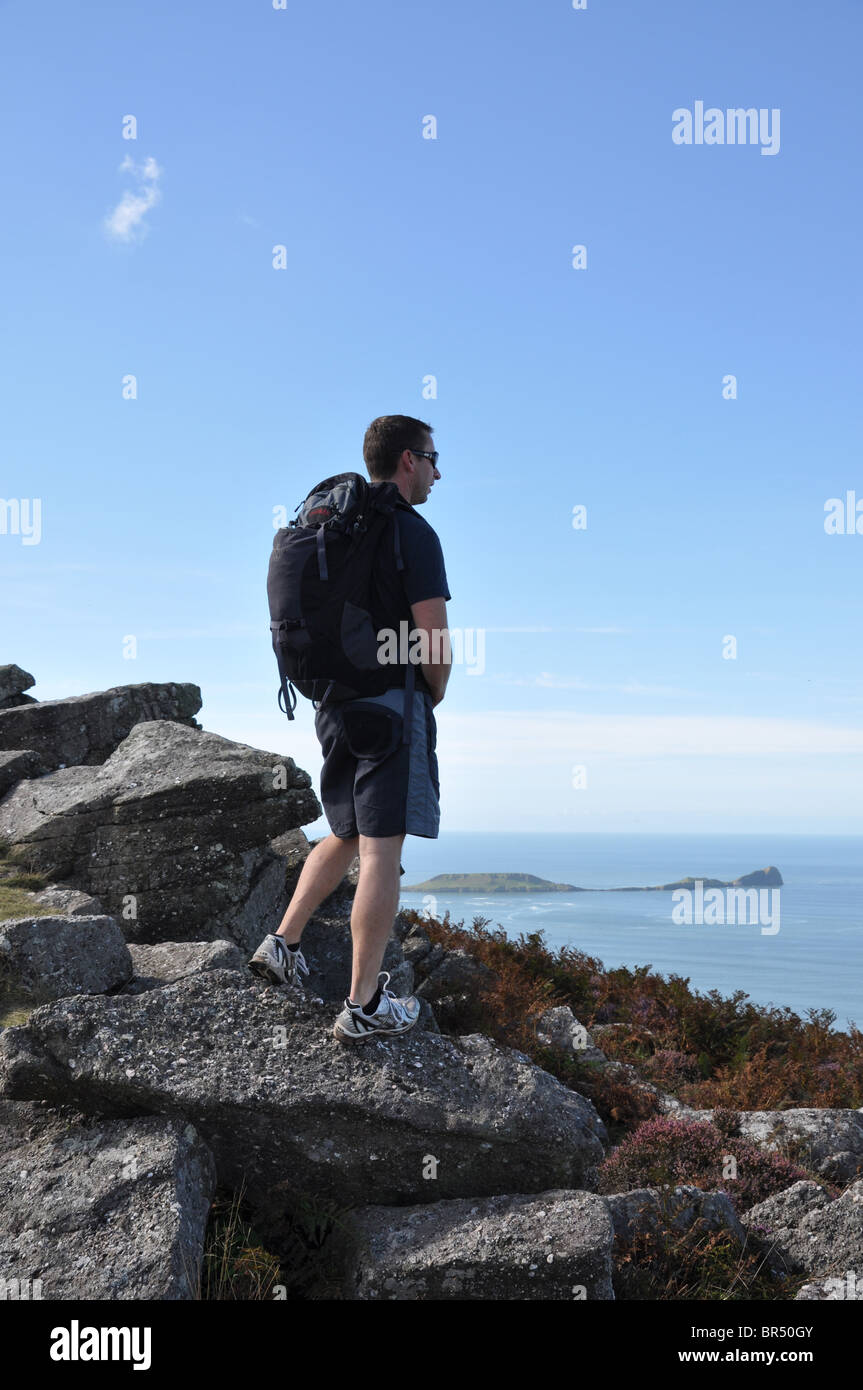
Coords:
pixel 670 1151
pixel 619 1102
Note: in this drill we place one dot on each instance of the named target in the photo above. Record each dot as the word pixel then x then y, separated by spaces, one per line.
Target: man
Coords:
pixel 375 789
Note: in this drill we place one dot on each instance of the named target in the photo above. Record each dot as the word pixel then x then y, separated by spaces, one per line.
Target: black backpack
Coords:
pixel 319 589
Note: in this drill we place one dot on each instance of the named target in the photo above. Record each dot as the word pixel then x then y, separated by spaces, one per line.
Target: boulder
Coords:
pixel 101 1209
pixel 170 833
pixel 456 973
pixel 803 1231
pixel 560 1029
pixel 51 957
pixel 85 729
pixel 162 964
pixel 671 1208
pixel 65 901
pixel 555 1247
pixel 286 1109
pixel 453 981
pixel 13 682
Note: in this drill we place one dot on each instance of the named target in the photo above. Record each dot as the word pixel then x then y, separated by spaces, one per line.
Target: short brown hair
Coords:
pixel 386 439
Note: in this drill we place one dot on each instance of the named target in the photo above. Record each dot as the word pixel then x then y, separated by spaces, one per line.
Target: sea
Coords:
pixel 814 960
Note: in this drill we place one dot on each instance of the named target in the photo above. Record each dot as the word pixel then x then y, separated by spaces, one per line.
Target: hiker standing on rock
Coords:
pixel 358 592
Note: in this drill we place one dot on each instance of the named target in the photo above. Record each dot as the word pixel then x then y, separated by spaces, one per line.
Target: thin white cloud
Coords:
pixel 559 735
pixel 126 222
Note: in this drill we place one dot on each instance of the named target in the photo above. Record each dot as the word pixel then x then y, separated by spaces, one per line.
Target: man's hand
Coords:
pixel 429 616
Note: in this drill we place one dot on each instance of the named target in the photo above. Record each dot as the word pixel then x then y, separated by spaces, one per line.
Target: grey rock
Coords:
pixel 62 900
pixel 14 701
pixel 560 1029
pixel 13 681
pixel 286 1108
pixel 827 1142
pixel 162 964
pixel 804 1231
pixel 85 729
pixel 672 1208
pixel 555 1247
pixel 416 945
pixel 16 764
pixel 101 1209
pixel 171 832
pixel 457 973
pixel 51 957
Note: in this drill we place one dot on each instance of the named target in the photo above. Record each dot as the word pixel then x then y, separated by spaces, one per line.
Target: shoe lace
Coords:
pixel 295 961
pixel 300 962
pixel 395 1003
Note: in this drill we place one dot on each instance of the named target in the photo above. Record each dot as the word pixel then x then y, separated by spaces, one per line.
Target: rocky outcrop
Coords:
pixel 803 1231
pixel 49 957
pixel 172 832
pixel 100 1209
pixel 85 729
pixel 555 1246
pixel 13 683
pixel 286 1109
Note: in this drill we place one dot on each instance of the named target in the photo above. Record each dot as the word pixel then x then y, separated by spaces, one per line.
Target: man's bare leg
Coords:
pixel 322 872
pixel 376 903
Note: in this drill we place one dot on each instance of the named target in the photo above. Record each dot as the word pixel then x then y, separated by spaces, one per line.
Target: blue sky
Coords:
pixel 409 258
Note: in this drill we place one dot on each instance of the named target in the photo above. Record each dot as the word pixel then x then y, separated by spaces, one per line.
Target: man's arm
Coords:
pixel 429 615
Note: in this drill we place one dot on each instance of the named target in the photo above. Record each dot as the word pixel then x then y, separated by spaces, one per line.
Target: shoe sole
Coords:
pixel 343 1037
pixel 264 972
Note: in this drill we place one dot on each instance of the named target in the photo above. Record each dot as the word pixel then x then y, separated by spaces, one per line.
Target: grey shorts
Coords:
pixel 372 783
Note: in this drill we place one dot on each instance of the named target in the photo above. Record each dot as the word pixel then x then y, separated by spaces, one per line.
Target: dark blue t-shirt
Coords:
pixel 423 576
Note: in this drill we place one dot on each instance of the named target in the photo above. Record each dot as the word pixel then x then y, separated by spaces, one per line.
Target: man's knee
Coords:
pixel 387 847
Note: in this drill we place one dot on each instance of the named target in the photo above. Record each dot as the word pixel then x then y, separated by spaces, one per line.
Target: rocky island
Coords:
pixel 489 883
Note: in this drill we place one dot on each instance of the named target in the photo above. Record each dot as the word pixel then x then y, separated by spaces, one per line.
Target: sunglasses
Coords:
pixel 418 453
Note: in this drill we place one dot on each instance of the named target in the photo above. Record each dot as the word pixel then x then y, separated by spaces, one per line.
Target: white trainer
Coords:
pixel 275 963
pixel 391 1016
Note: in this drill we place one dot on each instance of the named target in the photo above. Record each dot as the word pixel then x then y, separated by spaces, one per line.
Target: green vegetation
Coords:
pixel 17 880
